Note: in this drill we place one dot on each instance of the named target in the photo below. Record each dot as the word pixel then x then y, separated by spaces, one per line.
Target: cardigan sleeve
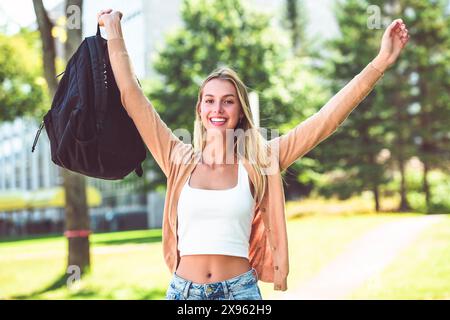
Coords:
pixel 310 132
pixel 158 138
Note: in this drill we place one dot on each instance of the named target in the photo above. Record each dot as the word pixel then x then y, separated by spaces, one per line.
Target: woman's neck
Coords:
pixel 218 152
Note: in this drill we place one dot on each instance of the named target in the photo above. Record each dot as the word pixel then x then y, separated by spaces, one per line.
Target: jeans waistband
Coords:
pixel 184 285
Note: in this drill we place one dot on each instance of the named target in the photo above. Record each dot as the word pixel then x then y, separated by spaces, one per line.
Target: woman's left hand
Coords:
pixel 393 41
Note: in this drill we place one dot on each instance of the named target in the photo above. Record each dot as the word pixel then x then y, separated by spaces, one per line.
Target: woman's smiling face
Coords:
pixel 220 107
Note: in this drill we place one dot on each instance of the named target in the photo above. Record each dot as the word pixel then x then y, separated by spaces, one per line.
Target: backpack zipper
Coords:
pixel 37 136
pixel 60 74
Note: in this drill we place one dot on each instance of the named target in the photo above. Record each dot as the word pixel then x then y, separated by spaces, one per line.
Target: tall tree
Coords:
pixel 294 19
pixel 429 69
pixel 353 151
pixel 76 210
pixel 419 90
pixel 45 26
pixel 410 111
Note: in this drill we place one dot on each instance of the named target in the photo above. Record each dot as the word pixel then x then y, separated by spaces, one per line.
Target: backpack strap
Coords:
pixel 100 76
pixel 37 136
pixel 38 133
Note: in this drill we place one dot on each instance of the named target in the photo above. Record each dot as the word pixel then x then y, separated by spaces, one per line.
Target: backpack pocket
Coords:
pixel 76 154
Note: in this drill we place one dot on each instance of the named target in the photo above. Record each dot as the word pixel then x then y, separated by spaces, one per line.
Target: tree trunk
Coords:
pixel 404 206
pixel 426 147
pixel 296 21
pixel 74 31
pixel 76 210
pixel 77 215
pixel 376 197
pixel 401 148
pixel 48 45
pixel 292 12
pixel 77 218
pixel 426 185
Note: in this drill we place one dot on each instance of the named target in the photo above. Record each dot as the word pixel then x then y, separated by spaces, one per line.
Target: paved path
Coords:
pixel 365 257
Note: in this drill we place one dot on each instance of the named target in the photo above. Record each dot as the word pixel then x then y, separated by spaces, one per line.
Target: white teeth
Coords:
pixel 218 119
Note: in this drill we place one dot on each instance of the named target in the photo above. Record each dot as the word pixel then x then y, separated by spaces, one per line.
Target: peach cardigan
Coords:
pixel 268 252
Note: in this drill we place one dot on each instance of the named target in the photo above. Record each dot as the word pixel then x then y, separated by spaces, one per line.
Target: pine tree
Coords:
pixel 295 21
pixel 353 151
pixel 429 72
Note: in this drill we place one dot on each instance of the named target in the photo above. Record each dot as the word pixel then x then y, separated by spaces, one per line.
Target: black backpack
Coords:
pixel 89 130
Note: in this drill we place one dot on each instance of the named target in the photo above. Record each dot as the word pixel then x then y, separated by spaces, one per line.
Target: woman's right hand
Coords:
pixel 107 15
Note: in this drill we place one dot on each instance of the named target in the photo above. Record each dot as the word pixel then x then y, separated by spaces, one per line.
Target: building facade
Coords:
pixel 21 170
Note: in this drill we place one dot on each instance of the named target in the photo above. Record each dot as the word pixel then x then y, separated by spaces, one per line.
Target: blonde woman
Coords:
pixel 224 226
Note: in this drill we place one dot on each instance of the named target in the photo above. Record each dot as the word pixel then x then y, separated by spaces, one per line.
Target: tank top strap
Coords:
pixel 244 180
pixel 242 177
pixel 240 173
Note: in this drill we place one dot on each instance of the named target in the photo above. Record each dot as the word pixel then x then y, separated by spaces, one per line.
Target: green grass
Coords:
pixel 316 240
pixel 125 265
pixel 130 265
pixel 422 271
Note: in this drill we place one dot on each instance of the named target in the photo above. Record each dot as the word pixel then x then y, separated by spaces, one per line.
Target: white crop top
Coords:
pixel 216 221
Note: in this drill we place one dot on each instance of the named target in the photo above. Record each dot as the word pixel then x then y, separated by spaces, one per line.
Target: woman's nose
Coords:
pixel 218 107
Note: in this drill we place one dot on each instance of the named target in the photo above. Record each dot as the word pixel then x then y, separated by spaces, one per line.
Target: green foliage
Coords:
pixel 407 112
pixel 219 33
pixel 350 154
pixel 439 186
pixel 440 189
pixel 428 64
pixel 418 88
pixel 22 87
pixel 440 201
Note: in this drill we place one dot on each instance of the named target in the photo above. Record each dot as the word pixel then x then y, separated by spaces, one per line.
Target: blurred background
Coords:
pixel 367 209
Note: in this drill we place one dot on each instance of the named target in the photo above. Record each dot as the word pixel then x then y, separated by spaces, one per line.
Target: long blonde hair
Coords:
pixel 255 145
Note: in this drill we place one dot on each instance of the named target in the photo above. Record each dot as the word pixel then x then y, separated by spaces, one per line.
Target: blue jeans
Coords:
pixel 241 287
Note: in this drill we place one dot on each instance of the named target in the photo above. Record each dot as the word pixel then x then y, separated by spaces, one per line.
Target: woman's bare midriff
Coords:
pixel 209 268
pixel 206 268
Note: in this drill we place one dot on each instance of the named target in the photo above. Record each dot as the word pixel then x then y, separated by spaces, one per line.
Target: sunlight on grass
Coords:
pixel 316 240
pixel 132 268
pixel 422 271
pixel 363 204
pixel 130 264
pixel 135 272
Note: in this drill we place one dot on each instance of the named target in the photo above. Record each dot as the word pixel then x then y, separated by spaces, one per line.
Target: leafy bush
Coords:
pixel 439 188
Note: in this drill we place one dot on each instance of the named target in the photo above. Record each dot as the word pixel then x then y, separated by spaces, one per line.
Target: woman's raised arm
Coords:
pixel 158 138
pixel 310 132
